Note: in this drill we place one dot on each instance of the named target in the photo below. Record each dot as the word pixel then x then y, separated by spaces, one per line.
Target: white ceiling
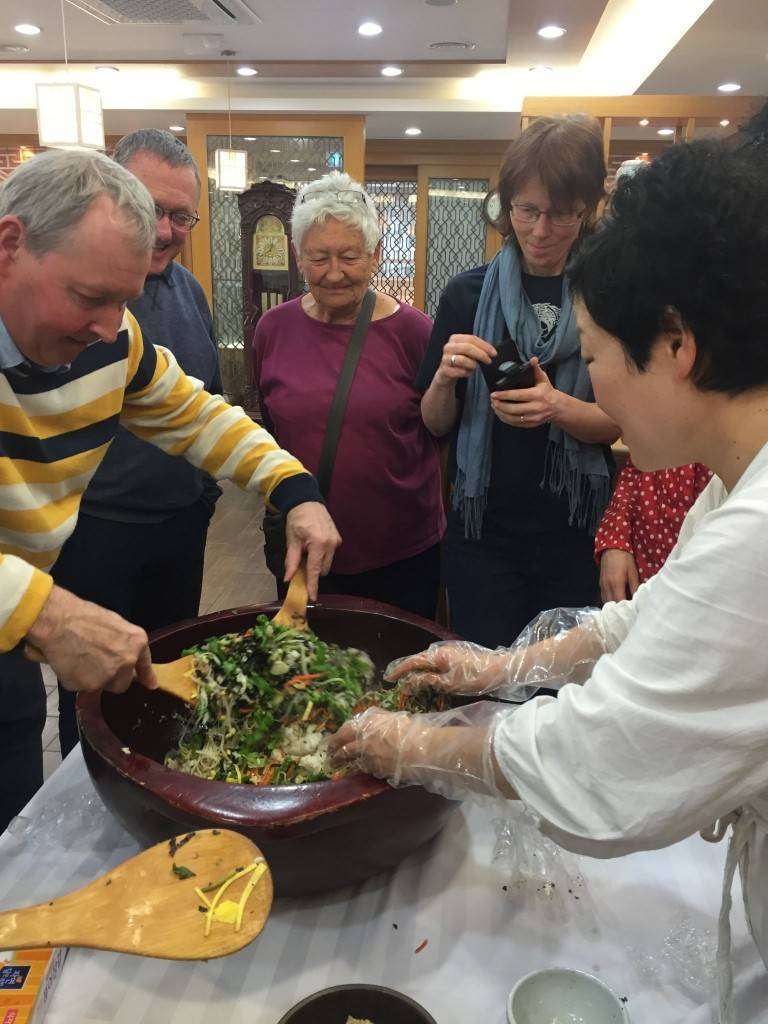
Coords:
pixel 728 43
pixel 285 30
pixel 337 70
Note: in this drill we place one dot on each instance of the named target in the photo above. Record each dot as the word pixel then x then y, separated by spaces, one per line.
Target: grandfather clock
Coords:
pixel 270 274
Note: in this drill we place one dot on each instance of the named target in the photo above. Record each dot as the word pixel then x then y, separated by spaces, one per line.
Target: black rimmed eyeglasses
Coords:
pixel 527 213
pixel 179 218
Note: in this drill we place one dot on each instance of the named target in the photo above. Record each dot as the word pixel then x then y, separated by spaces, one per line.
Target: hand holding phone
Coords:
pixel 507 371
pixel 530 405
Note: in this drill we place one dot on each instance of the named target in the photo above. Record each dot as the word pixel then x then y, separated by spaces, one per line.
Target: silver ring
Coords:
pixel 453 360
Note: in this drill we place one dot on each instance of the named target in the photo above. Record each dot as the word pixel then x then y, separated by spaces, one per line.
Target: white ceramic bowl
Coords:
pixel 562 996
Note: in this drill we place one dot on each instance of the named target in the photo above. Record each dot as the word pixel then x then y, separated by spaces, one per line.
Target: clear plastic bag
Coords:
pixel 687 958
pixel 533 867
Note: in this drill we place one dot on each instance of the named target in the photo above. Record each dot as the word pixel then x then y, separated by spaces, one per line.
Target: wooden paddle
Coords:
pixel 145 907
pixel 174 677
pixel 293 612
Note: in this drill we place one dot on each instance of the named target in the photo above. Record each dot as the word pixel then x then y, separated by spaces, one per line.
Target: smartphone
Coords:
pixel 507 371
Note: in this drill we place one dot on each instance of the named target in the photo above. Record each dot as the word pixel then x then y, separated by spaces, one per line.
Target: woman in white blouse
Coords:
pixel 668 735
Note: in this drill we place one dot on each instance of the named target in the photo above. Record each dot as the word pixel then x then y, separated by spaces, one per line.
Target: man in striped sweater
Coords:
pixel 76 235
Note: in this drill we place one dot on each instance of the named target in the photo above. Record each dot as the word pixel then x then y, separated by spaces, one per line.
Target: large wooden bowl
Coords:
pixel 316 836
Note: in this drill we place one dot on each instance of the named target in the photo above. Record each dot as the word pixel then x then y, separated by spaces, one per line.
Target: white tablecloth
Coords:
pixel 481 939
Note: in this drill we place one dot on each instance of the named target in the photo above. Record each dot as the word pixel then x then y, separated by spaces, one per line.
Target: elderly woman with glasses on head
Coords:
pixel 529 465
pixel 385 493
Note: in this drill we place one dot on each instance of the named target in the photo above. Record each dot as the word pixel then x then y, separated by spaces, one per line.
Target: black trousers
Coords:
pixel 22 718
pixel 150 573
pixel 411 584
pixel 495 589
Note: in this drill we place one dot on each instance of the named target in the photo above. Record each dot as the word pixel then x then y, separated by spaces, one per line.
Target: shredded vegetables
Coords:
pixel 269 698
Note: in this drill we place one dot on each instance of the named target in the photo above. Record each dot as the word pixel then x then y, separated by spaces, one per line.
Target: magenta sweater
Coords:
pixel 385 494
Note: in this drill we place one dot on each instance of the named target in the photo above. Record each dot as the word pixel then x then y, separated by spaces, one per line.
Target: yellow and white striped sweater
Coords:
pixel 55 428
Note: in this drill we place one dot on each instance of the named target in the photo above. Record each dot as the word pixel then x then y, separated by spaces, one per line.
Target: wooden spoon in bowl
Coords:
pixel 146 907
pixel 293 612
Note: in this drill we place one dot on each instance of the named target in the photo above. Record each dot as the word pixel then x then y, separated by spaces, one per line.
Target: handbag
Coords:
pixel 274 522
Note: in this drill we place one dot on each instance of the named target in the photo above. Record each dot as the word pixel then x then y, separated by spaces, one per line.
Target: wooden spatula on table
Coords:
pixel 149 905
pixel 177 677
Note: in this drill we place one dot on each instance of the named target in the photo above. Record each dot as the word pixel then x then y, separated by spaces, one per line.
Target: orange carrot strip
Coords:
pixel 303 679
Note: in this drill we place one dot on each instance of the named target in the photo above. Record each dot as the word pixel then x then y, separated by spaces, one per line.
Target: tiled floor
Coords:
pixel 235 574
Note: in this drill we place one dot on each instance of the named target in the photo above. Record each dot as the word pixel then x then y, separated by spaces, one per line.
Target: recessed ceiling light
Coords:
pixel 28 30
pixel 413 131
pixel 724 123
pixel 275 151
pixel 250 138
pixel 729 87
pixel 247 72
pixel 176 127
pixel 369 28
pixel 295 160
pixel 666 131
pixel 106 68
pixel 14 48
pixel 644 123
pixel 311 168
pixel 391 71
pixel 551 31
pixel 541 69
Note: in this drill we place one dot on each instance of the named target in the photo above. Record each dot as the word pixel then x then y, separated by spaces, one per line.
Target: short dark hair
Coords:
pixel 159 144
pixel 688 233
pixel 565 153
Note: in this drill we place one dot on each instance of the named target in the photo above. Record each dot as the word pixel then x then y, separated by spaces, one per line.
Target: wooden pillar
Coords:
pixel 607 129
pixel 524 122
pixel 690 129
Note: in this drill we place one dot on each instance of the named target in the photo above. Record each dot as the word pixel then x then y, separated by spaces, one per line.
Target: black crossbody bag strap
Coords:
pixel 341 394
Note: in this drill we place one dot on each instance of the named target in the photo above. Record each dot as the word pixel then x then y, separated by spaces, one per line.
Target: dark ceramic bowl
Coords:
pixel 315 836
pixel 366 1002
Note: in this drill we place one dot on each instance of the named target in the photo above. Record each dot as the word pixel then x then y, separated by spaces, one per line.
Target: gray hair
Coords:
pixel 52 192
pixel 158 143
pixel 319 200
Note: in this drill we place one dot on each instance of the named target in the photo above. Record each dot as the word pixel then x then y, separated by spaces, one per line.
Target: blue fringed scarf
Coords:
pixel 572 466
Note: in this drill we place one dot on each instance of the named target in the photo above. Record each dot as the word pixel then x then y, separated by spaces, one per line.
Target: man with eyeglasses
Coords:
pixel 140 539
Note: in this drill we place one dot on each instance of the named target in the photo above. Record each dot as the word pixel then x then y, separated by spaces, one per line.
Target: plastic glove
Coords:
pixel 446 752
pixel 559 646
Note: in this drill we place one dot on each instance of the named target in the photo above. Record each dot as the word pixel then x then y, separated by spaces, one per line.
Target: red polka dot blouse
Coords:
pixel 646 512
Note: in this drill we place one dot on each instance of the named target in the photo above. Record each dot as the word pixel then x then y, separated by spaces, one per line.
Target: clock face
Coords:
pixel 270 245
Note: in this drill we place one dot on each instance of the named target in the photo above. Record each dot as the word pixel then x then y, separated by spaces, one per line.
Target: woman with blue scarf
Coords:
pixel 530 469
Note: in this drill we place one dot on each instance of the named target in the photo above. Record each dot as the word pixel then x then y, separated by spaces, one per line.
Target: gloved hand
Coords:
pixel 559 646
pixel 446 752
